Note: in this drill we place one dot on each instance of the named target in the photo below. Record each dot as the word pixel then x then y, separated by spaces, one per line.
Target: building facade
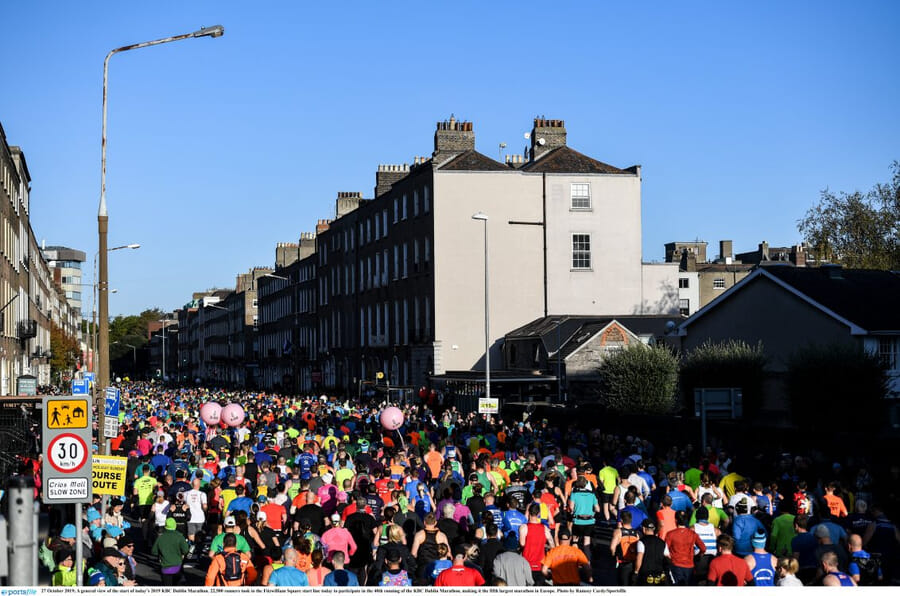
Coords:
pixel 31 301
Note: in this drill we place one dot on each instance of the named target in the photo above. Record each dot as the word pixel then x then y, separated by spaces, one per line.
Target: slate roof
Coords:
pixel 473 161
pixel 868 298
pixel 573 331
pixel 565 160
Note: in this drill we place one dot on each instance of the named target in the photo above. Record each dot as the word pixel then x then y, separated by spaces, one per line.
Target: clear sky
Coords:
pixel 218 149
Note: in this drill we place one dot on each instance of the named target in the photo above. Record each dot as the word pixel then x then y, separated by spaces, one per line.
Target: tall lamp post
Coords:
pixel 94 300
pixel 103 215
pixel 487 309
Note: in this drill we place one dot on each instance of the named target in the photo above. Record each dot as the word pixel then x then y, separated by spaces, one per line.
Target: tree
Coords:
pixel 836 384
pixel 64 350
pixel 861 231
pixel 732 363
pixel 639 380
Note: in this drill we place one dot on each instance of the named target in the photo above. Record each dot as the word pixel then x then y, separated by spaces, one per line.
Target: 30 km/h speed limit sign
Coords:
pixel 67 453
pixel 66 441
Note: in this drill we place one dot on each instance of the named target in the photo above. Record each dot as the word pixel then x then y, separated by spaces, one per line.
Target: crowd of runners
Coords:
pixel 315 491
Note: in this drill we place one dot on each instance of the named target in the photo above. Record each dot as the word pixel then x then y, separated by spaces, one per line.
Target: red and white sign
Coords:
pixel 67 453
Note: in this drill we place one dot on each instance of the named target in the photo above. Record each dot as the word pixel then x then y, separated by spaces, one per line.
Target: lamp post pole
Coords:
pixel 103 217
pixel 487 309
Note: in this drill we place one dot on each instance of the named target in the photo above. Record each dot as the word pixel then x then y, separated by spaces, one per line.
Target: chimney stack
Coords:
pixel 451 138
pixel 387 175
pixel 546 136
pixel 346 202
pixel 322 226
pixel 286 253
pixel 726 251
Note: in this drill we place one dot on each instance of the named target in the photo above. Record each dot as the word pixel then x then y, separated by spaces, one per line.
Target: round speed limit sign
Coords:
pixel 67 453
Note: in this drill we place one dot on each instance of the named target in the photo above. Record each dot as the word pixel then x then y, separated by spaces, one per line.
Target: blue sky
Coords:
pixel 218 149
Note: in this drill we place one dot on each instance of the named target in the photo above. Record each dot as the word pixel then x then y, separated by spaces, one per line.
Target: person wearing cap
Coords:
pixel 112 566
pixel 170 547
pixel 762 563
pixel 338 539
pixel 126 547
pixel 65 574
pixel 97 579
pixel 229 526
pixel 650 564
pixel 564 563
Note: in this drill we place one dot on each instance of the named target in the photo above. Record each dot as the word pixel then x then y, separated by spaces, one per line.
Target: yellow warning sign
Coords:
pixel 68 413
pixel 109 473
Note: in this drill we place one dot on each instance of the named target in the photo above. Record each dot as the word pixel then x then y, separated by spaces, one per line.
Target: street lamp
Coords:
pixel 103 215
pixel 487 310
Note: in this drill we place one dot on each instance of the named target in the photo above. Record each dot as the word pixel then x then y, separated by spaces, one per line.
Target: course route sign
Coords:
pixel 66 441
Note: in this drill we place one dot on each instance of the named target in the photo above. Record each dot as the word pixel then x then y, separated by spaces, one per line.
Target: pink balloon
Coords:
pixel 391 418
pixel 233 414
pixel 211 413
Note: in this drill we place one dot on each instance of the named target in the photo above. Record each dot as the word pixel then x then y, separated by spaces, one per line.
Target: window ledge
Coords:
pixel 581 269
pixel 581 208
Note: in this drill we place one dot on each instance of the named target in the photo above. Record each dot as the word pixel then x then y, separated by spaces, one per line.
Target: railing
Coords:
pixel 27 329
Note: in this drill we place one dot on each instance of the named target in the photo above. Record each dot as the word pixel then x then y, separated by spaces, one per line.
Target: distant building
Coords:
pixel 66 266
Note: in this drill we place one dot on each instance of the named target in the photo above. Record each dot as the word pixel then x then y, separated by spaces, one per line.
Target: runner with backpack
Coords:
pixel 230 568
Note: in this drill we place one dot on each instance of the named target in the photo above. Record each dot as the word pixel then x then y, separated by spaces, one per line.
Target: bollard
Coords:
pixel 23 548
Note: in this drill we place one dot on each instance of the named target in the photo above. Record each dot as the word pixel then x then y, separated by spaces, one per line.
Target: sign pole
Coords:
pixel 23 550
pixel 79 555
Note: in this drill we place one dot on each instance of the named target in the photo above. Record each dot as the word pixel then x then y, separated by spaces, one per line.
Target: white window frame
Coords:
pixel 578 250
pixel 576 193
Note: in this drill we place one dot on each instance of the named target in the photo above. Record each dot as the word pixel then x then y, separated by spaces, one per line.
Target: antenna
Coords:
pixel 500 151
pixel 527 135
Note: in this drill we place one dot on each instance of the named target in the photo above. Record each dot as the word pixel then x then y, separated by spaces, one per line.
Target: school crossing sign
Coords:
pixel 67 440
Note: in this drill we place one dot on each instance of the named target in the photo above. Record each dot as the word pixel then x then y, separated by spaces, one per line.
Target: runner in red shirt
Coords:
pixel 459 574
pixel 727 569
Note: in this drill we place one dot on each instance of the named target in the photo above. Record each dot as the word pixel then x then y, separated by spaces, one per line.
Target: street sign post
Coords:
pixel 488 405
pixel 111 409
pixel 67 442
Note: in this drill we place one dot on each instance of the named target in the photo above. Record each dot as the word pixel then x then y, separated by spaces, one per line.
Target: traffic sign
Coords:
pixel 111 427
pixel 109 475
pixel 67 440
pixel 68 413
pixel 88 376
pixel 67 453
pixel 81 387
pixel 112 401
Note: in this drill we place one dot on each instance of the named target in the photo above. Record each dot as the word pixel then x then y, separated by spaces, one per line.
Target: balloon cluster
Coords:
pixel 212 414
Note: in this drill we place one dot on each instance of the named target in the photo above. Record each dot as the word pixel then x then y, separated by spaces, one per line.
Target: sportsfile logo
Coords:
pixel 14 592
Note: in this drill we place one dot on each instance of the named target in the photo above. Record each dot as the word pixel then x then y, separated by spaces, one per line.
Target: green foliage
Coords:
pixel 639 380
pixel 64 350
pixel 732 363
pixel 859 230
pixel 836 385
pixel 133 325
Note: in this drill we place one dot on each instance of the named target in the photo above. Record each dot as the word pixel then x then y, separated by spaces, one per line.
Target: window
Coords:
pixel 416 203
pixel 684 283
pixel 719 283
pixel 889 352
pixel 403 208
pixel 684 307
pixel 396 209
pixel 581 196
pixel 384 222
pixel 405 260
pixel 581 251
pixel 426 200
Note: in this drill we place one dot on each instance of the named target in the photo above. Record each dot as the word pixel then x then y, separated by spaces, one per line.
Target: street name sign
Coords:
pixel 66 440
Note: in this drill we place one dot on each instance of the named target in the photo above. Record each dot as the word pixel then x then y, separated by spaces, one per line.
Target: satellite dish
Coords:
pixel 527 135
pixel 541 141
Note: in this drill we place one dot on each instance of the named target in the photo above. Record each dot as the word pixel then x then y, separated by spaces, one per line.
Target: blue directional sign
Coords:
pixel 88 376
pixel 80 387
pixel 112 402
